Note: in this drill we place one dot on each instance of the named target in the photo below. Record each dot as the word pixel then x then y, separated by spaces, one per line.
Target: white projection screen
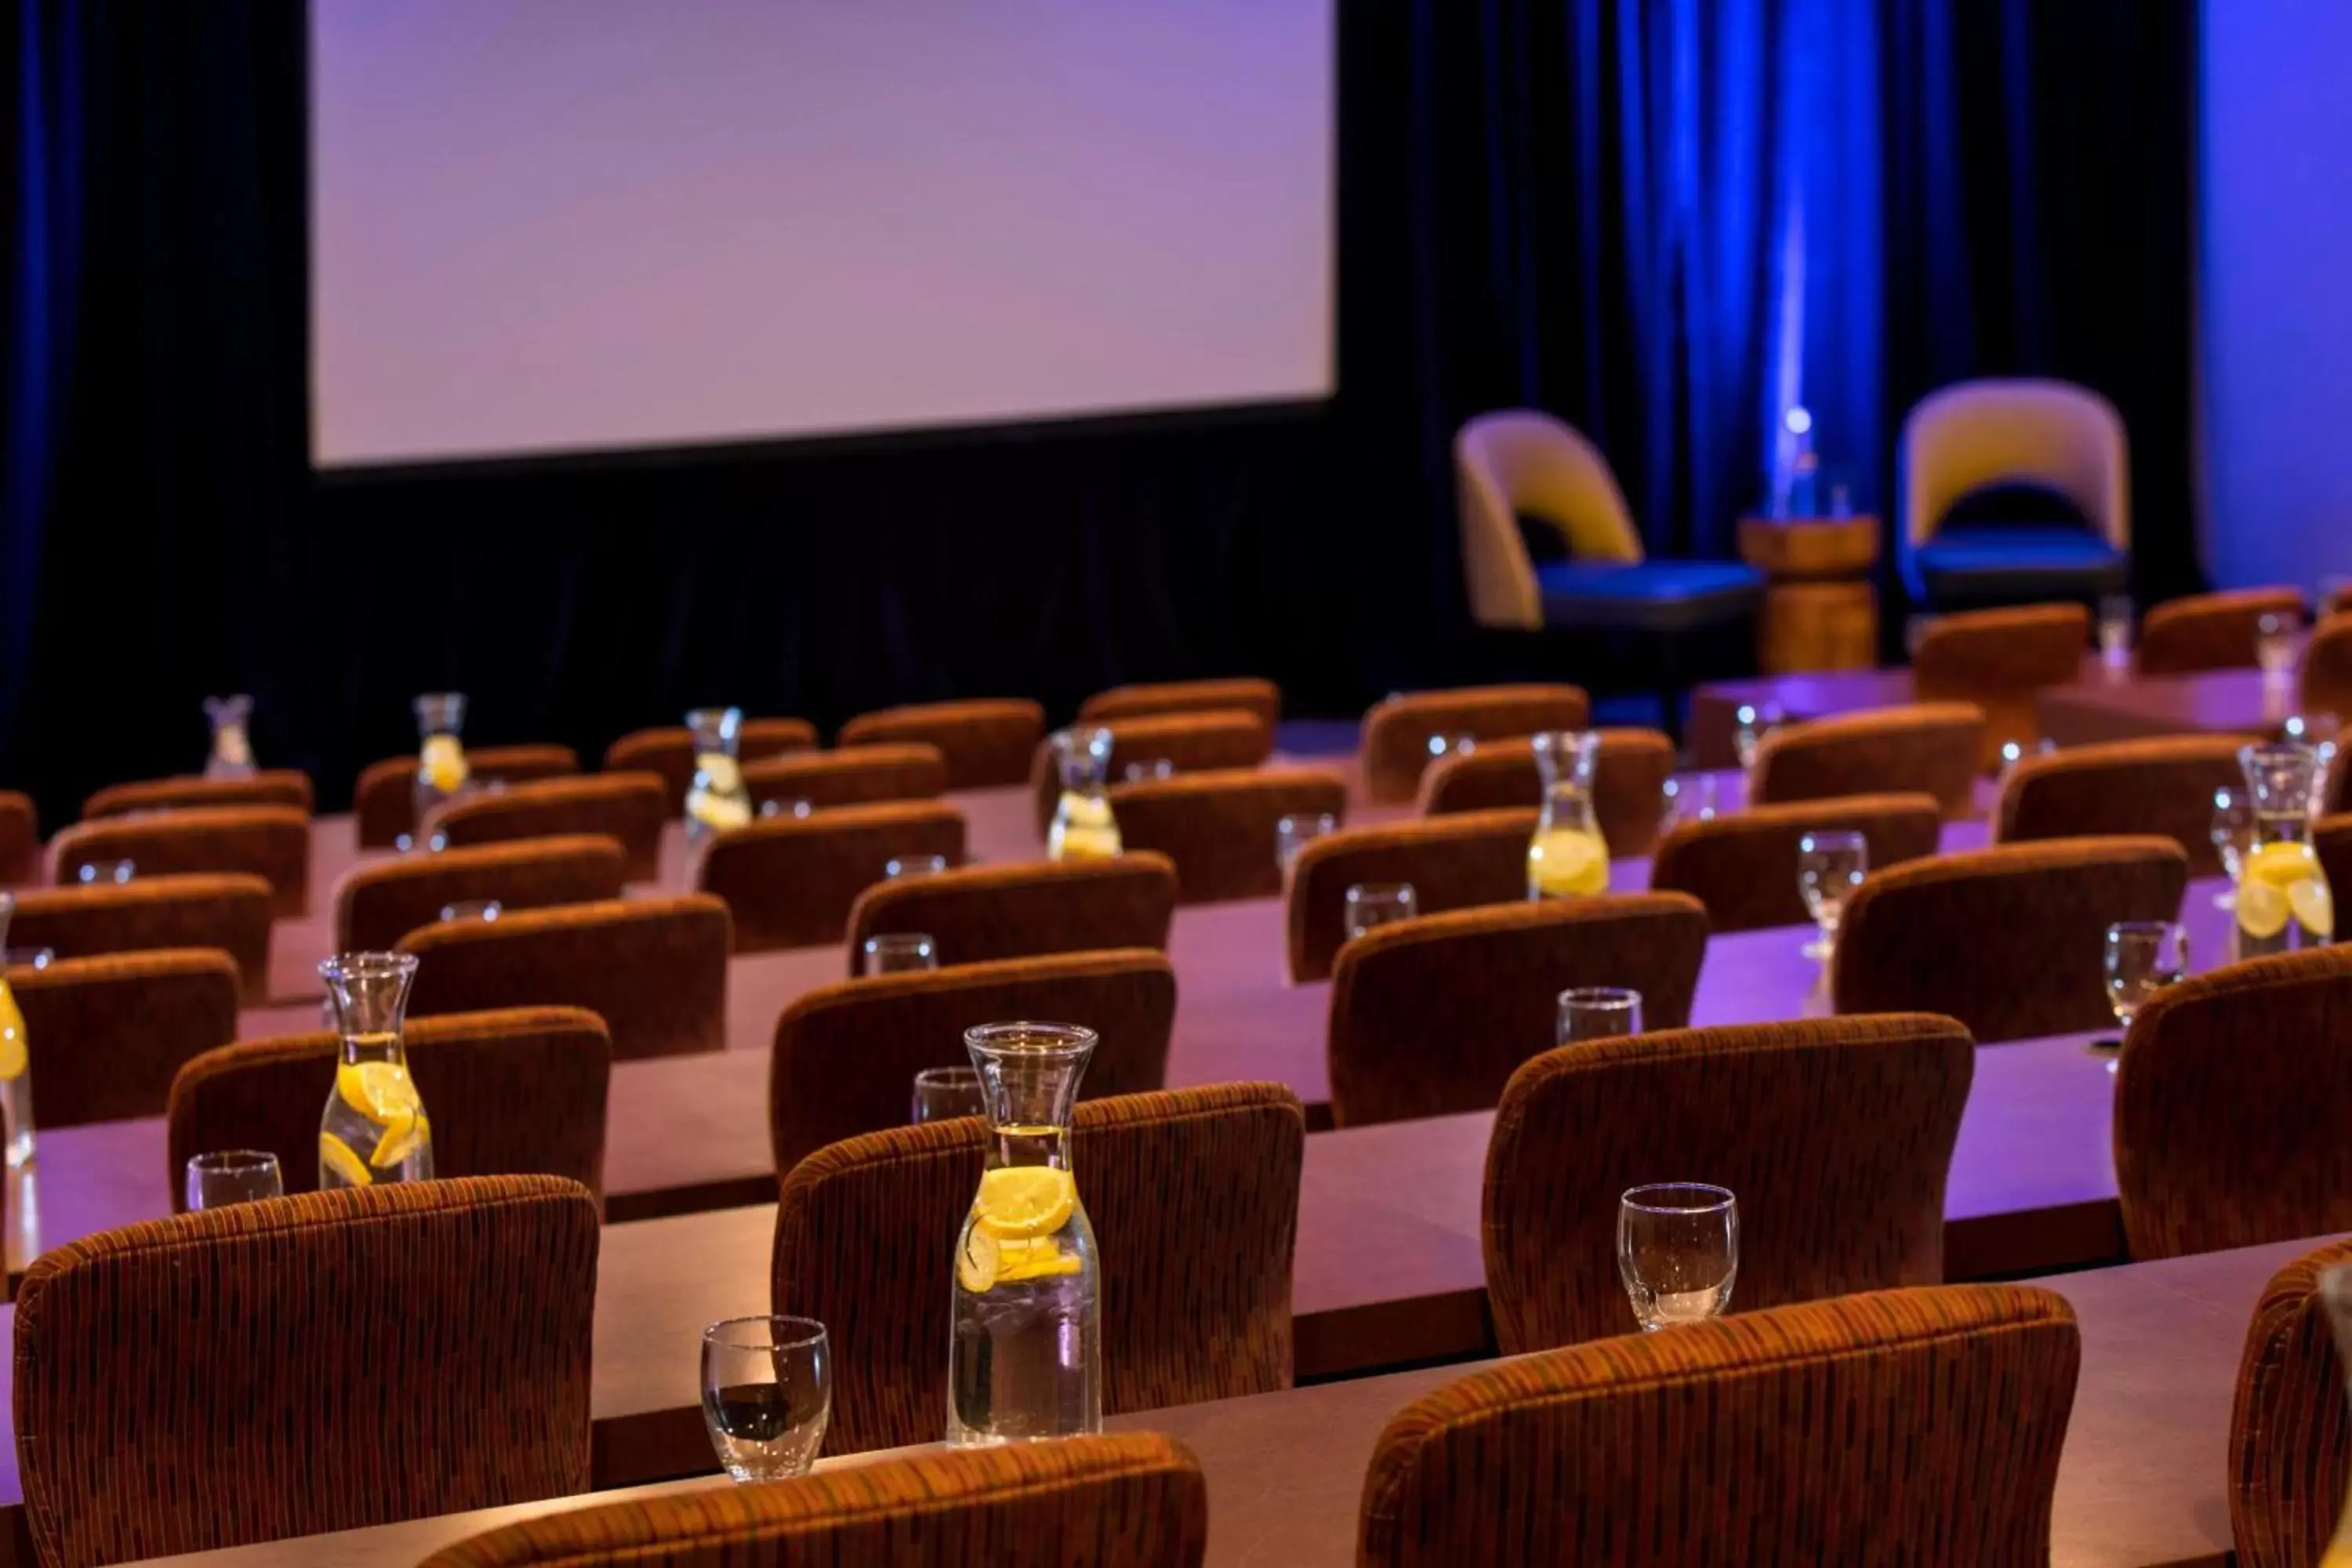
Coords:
pixel 551 226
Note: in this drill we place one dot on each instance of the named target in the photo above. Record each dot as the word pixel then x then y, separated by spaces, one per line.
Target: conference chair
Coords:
pixel 453 1317
pixel 2290 1451
pixel 668 750
pixel 379 902
pixel 851 775
pixel 1135 1499
pixel 2327 682
pixel 1914 1426
pixel 1922 748
pixel 383 802
pixel 272 842
pixel 1263 697
pixel 1191 1311
pixel 624 807
pixel 105 1035
pixel 2011 939
pixel 1404 736
pixel 1432 1016
pixel 1630 771
pixel 976 913
pixel 988 742
pixel 792 881
pixel 1218 828
pixel 2163 786
pixel 2210 631
pixel 518 1091
pixel 1743 867
pixel 846 1055
pixel 2053 437
pixel 277 786
pixel 1454 862
pixel 225 911
pixel 2231 1107
pixel 654 969
pixel 1835 1135
pixel 20 838
pixel 1188 743
pixel 2001 660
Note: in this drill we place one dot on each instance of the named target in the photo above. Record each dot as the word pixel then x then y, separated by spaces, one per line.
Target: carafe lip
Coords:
pixel 719 725
pixel 439 712
pixel 350 966
pixel 1031 1040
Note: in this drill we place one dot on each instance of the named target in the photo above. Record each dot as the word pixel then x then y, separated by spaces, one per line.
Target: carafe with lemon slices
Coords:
pixel 15 1061
pixel 442 771
pixel 375 1127
pixel 1083 827
pixel 717 798
pixel 2283 900
pixel 1567 858
pixel 1026 1358
pixel 232 753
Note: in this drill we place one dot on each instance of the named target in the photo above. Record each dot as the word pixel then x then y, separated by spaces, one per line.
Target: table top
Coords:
pixel 2211 702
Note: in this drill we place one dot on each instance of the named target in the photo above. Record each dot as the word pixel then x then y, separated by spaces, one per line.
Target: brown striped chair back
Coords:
pixel 1835 1134
pixel 792 881
pixel 1743 867
pixel 2290 1439
pixel 1487 982
pixel 1629 783
pixel 1922 748
pixel 379 902
pixel 2164 786
pixel 20 838
pixel 2230 1121
pixel 520 1091
pixel 1218 828
pixel 2330 836
pixel 2009 939
pixel 2210 631
pixel 276 786
pixel 2001 660
pixel 1454 862
pixel 384 803
pixel 851 775
pixel 624 807
pixel 1913 1427
pixel 654 969
pixel 105 1035
pixel 1134 1499
pixel 982 912
pixel 1191 743
pixel 1248 693
pixel 1397 732
pixel 272 842
pixel 847 1054
pixel 987 742
pixel 146 1429
pixel 227 910
pixel 668 750
pixel 2326 684
pixel 1191 1311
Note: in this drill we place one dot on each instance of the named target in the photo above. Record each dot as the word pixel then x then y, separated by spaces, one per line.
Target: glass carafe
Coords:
pixel 1567 856
pixel 1027 1357
pixel 717 799
pixel 232 753
pixel 1084 829
pixel 15 1064
pixel 375 1127
pixel 2284 899
pixel 442 770
pixel 2336 1295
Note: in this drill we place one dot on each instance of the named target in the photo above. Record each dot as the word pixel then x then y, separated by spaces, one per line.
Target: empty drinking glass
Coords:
pixel 767 1392
pixel 1598 1013
pixel 1915 632
pixel 1692 798
pixel 895 953
pixel 2116 632
pixel 473 909
pixel 1294 833
pixel 27 957
pixel 1374 904
pixel 943 1093
pixel 2277 646
pixel 234 1176
pixel 900 866
pixel 1677 1251
pixel 1750 724
pixel 2143 958
pixel 795 808
pixel 1444 746
pixel 1830 867
pixel 101 872
pixel 1144 772
pixel 2233 836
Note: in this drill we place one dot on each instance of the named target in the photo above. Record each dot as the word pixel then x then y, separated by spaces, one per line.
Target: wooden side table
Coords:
pixel 1821 609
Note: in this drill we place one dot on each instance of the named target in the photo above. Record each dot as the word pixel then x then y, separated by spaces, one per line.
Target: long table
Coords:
pixel 2209 703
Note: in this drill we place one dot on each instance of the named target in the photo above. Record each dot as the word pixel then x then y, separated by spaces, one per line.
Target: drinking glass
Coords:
pixel 1693 798
pixel 473 909
pixel 2233 836
pixel 1750 724
pixel 1830 867
pixel 233 1176
pixel 115 871
pixel 1915 632
pixel 893 953
pixel 27 957
pixel 1598 1013
pixel 1677 1251
pixel 767 1392
pixel 2143 958
pixel 794 808
pixel 1372 904
pixel 1146 771
pixel 942 1093
pixel 2277 639
pixel 900 866
pixel 1444 746
pixel 2116 632
pixel 1294 833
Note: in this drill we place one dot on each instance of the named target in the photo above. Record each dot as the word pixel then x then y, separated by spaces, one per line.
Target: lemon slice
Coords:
pixel 13 1060
pixel 377 1090
pixel 402 1137
pixel 2263 909
pixel 718 811
pixel 1084 810
pixel 976 1260
pixel 719 773
pixel 1036 1258
pixel 2313 903
pixel 1568 861
pixel 1018 1201
pixel 444 761
pixel 341 1160
pixel 2283 864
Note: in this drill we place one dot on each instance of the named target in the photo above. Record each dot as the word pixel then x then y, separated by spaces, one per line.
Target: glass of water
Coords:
pixel 2143 958
pixel 900 866
pixel 1296 832
pixel 1677 1251
pixel 767 1393
pixel 942 1094
pixel 1369 905
pixel 1598 1013
pixel 896 953
pixel 233 1176
pixel 2234 838
pixel 1830 867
